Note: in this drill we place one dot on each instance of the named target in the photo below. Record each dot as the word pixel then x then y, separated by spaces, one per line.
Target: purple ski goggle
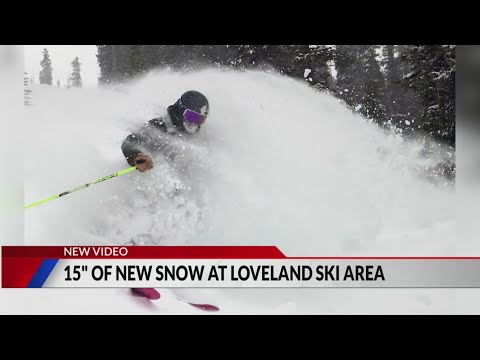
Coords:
pixel 194 118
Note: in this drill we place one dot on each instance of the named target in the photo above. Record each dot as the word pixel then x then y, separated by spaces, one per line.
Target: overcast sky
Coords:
pixel 61 57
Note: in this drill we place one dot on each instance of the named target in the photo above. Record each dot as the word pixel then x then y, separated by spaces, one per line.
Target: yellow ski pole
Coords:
pixel 81 187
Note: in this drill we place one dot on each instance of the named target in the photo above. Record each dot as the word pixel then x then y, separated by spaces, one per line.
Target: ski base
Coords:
pixel 205 307
pixel 148 293
pixel 152 294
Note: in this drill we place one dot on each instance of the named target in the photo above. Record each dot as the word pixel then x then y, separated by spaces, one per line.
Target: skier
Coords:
pixel 184 118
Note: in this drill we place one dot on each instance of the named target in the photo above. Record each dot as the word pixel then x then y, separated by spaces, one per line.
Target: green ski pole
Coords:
pixel 81 187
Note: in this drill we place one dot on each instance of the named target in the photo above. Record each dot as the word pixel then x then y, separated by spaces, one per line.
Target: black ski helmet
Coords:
pixel 191 103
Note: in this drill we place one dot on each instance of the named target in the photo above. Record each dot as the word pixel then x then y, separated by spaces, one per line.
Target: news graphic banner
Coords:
pixel 224 266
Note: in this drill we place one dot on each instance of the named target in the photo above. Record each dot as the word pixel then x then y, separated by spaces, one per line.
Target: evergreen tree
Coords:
pixel 392 77
pixel 111 60
pixel 311 62
pixel 402 103
pixel 27 90
pixel 215 55
pixel 374 85
pixel 75 78
pixel 308 62
pixel 360 82
pixel 120 62
pixel 433 78
pixel 349 82
pixel 105 63
pixel 46 72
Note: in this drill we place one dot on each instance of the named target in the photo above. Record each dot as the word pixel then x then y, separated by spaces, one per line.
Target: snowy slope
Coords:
pixel 276 164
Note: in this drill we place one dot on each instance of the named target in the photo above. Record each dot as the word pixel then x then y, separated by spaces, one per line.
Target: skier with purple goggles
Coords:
pixel 183 118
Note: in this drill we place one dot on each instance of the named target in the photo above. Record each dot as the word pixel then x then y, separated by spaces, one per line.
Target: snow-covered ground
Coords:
pixel 277 163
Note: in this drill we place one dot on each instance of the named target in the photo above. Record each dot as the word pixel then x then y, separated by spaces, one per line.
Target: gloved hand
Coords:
pixel 143 162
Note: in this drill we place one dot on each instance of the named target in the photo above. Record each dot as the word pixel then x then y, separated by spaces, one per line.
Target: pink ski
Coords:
pixel 206 307
pixel 149 293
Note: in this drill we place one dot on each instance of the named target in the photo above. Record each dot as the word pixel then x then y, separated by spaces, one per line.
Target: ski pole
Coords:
pixel 81 187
